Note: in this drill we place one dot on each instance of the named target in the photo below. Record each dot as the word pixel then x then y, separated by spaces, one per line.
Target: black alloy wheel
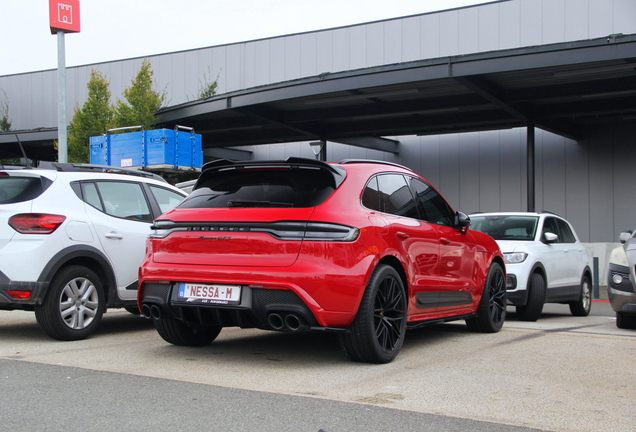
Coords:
pixel 377 333
pixel 491 312
pixel 389 314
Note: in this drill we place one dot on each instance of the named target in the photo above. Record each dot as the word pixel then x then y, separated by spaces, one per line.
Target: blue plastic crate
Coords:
pixel 158 150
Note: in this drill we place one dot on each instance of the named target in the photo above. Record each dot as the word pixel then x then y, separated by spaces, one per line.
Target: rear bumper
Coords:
pixel 7 302
pixel 273 309
pixel 318 297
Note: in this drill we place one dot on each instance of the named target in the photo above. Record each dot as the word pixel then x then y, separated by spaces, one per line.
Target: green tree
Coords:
pixel 208 88
pixel 143 100
pixel 93 119
pixel 5 124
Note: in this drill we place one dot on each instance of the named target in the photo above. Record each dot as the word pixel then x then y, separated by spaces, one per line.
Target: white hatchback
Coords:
pixel 72 239
pixel 545 262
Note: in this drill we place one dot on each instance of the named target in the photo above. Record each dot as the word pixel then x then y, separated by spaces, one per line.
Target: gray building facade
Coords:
pixel 588 182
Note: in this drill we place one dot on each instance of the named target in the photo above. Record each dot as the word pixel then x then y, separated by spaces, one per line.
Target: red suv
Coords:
pixel 364 249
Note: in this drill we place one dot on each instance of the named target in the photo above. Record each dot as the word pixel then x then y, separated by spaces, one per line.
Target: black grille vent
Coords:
pixel 156 290
pixel 263 297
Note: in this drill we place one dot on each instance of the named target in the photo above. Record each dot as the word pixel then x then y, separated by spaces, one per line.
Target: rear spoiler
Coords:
pixel 292 162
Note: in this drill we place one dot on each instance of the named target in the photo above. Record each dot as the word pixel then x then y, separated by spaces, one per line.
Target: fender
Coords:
pixel 83 252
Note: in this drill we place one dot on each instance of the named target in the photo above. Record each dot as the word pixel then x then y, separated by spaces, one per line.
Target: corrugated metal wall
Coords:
pixel 507 24
pixel 586 191
pixel 590 183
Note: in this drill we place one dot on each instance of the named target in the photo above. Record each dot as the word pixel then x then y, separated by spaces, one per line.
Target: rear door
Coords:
pixel 555 259
pixel 121 215
pixel 416 240
pixel 574 261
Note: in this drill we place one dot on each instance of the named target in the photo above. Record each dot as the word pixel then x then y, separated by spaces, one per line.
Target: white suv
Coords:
pixel 72 239
pixel 545 262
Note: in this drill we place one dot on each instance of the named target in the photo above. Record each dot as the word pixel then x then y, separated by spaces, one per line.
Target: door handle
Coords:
pixel 444 241
pixel 401 235
pixel 113 235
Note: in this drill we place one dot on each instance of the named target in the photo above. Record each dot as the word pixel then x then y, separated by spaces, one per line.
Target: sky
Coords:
pixel 119 29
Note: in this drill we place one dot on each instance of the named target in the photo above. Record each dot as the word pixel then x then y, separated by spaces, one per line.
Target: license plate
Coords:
pixel 215 294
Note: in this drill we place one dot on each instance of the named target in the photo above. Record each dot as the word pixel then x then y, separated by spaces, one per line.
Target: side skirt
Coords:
pixel 418 324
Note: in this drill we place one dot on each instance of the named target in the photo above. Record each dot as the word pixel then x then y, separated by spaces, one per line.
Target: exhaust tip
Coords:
pixel 155 312
pixel 145 311
pixel 275 321
pixel 292 322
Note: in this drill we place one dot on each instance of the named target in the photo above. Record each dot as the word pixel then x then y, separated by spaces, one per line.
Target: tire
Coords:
pixel 377 332
pixel 536 297
pixel 73 306
pixel 624 321
pixel 179 333
pixel 491 312
pixel 583 305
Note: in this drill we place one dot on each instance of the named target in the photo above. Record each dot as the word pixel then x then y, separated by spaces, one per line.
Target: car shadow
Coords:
pixel 26 328
pixel 303 349
pixel 306 348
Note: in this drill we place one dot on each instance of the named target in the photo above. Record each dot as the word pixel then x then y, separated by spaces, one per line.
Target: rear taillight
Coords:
pixel 36 223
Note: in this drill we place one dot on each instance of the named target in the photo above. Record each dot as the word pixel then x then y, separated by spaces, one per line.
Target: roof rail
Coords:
pixel 79 167
pixel 351 161
pixel 548 212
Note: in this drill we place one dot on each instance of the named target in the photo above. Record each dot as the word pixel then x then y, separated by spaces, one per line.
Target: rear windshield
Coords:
pixel 266 187
pixel 506 227
pixel 15 189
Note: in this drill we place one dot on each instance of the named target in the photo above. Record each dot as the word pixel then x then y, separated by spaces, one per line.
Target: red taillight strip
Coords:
pixel 36 223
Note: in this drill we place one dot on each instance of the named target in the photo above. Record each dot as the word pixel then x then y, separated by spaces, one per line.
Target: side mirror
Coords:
pixel 550 237
pixel 624 236
pixel 462 221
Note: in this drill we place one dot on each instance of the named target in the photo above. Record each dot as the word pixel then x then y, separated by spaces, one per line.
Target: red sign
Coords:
pixel 64 15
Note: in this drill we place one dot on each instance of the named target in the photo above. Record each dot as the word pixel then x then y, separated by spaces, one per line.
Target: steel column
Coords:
pixel 531 166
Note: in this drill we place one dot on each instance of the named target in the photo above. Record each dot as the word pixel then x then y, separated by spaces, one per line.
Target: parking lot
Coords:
pixel 560 373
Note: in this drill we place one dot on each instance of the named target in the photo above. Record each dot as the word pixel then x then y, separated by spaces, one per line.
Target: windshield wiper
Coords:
pixel 252 203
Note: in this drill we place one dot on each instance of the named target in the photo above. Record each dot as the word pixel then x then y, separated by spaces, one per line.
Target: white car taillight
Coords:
pixel 36 223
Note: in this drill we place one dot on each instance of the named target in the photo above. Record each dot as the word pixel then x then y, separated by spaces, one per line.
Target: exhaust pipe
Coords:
pixel 145 311
pixel 292 322
pixel 275 321
pixel 155 312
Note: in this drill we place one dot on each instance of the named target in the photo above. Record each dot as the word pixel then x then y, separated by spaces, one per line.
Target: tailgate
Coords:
pixel 230 237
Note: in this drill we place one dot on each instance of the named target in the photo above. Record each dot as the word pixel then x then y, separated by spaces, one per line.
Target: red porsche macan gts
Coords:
pixel 361 248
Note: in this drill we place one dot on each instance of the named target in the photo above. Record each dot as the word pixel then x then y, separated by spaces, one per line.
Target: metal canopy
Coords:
pixel 564 88
pixel 38 144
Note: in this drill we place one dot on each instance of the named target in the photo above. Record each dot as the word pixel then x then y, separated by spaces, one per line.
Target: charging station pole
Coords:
pixel 64 17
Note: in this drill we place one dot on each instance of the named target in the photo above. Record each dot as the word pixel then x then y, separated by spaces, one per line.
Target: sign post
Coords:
pixel 64 17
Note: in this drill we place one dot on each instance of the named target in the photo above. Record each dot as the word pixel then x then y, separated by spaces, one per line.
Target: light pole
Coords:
pixel 64 17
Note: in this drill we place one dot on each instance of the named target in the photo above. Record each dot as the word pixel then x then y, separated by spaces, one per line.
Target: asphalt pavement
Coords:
pixel 560 373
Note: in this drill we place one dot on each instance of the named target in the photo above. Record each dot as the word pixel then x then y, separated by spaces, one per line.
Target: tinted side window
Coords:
pixel 166 199
pixel 433 208
pixel 371 195
pixel 91 196
pixel 19 189
pixel 550 226
pixel 395 196
pixel 565 233
pixel 124 200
